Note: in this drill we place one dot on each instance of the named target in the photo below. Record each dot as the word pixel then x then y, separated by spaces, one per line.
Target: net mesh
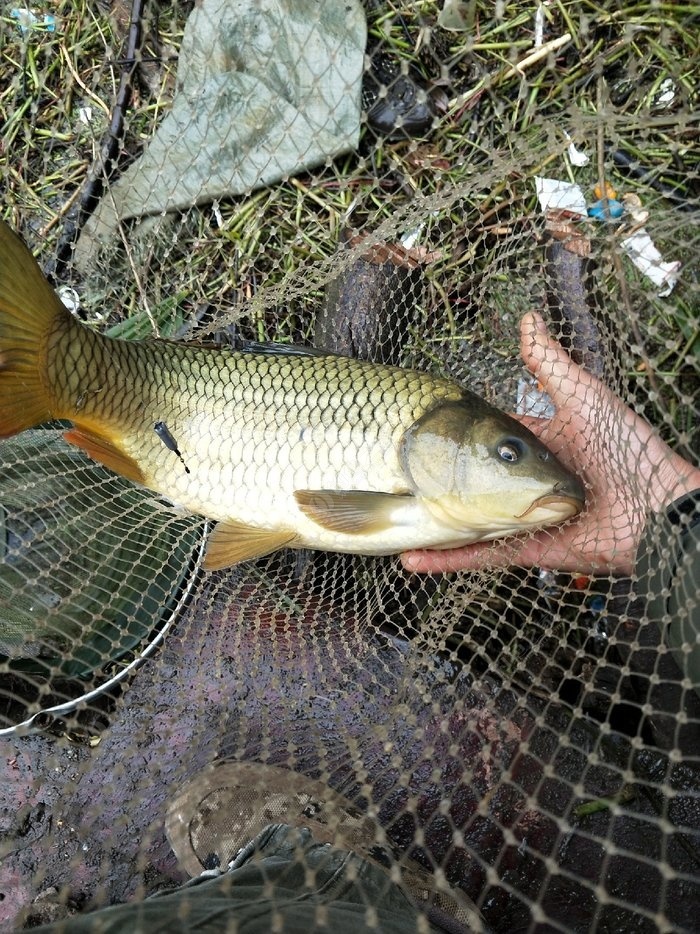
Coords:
pixel 527 736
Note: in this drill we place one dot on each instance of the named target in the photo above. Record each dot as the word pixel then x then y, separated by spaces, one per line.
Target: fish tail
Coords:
pixel 29 313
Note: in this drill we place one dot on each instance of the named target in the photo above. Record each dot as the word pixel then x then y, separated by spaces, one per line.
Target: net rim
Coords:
pixel 134 665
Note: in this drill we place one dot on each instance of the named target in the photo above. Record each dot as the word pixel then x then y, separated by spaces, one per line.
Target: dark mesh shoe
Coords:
pixel 397 105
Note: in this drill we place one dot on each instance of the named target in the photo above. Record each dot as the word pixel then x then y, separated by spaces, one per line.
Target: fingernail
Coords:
pixel 540 326
pixel 409 561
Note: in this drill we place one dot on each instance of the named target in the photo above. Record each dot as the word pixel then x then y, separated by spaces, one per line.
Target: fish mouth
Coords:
pixel 572 500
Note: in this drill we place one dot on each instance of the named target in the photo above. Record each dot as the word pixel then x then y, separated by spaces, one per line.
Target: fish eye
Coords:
pixel 510 450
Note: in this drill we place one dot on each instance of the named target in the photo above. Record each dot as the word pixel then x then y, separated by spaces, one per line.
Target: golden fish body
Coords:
pixel 282 448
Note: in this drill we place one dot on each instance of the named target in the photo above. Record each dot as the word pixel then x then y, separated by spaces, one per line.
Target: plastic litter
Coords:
pixel 533 401
pixel 454 16
pixel 606 209
pixel 539 26
pixel 665 96
pixel 555 194
pixel 28 20
pixel 577 157
pixel 69 297
pixel 641 250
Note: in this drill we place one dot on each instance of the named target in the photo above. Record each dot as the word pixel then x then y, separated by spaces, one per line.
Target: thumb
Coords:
pixel 562 379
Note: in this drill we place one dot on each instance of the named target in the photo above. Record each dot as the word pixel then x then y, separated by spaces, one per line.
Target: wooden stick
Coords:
pixel 518 69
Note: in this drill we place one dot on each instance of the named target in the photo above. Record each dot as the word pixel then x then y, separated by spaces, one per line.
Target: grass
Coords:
pixel 262 260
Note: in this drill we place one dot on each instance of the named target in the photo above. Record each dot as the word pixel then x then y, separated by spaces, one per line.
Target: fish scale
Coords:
pixel 367 410
pixel 279 446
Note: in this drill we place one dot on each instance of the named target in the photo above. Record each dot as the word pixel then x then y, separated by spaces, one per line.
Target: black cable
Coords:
pixel 109 150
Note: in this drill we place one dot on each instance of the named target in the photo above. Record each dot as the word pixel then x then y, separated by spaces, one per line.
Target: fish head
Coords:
pixel 482 473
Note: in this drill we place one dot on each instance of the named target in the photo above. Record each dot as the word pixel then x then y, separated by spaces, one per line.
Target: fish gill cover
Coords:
pixel 398 182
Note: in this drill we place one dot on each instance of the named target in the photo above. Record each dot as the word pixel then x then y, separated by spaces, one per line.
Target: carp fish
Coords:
pixel 281 447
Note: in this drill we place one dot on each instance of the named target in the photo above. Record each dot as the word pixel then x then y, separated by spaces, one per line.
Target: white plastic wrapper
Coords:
pixel 556 195
pixel 532 400
pixel 641 250
pixel 577 157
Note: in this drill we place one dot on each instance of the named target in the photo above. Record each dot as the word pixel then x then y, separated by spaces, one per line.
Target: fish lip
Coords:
pixel 575 501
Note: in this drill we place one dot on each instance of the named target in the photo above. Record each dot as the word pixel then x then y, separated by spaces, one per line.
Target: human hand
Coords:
pixel 629 472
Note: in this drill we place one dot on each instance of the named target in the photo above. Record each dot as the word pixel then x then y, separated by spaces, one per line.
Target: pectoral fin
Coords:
pixel 104 450
pixel 355 512
pixel 232 542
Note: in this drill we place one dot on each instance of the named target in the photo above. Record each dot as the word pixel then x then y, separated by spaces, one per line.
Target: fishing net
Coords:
pixel 523 740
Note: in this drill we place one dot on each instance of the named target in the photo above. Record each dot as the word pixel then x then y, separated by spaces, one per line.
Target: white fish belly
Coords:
pixel 251 479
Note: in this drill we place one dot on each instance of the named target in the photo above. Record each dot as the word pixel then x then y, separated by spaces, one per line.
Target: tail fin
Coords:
pixel 29 310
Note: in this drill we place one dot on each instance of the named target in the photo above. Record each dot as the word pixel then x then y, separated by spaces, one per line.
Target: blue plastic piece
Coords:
pixel 615 209
pixel 27 20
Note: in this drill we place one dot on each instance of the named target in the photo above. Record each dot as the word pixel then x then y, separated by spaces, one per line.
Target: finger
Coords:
pixel 576 393
pixel 589 405
pixel 514 552
pixel 469 558
pixel 550 363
